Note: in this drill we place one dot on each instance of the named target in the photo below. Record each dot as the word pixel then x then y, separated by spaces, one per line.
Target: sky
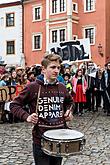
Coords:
pixel 7 1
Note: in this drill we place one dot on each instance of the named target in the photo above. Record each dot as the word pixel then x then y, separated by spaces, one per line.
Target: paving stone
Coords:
pixel 16 141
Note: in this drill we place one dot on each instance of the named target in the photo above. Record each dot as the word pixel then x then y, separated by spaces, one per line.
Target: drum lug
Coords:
pixel 66 148
pixel 58 145
pixel 51 146
pixel 42 142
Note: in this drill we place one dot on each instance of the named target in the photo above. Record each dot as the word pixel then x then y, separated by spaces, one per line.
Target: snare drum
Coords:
pixel 62 142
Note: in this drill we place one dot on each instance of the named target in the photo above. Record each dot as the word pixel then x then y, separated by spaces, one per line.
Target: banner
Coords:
pixel 76 51
pixel 8 93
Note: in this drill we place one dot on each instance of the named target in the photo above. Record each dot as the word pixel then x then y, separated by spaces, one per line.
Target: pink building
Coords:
pixel 52 21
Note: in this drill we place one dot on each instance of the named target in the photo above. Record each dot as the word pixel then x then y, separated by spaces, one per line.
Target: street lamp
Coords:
pixel 100 50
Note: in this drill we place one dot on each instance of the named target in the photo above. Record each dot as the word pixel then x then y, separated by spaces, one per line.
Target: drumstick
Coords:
pixel 68 113
pixel 39 90
pixel 70 109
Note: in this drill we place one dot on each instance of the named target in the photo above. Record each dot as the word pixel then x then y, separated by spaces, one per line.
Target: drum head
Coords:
pixel 65 134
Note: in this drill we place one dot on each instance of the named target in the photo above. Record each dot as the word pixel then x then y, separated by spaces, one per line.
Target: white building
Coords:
pixel 11 36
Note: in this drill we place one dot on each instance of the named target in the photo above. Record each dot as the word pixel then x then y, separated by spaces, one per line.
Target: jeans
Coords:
pixel 41 158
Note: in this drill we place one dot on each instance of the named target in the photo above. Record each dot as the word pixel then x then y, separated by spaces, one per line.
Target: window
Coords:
pixel 37 13
pixel 89 5
pixel 10 47
pixel 90 33
pixel 54 36
pixel 58 6
pixel 75 7
pixel 62 5
pixel 58 35
pixel 62 35
pixel 10 19
pixel 37 42
pixel 54 6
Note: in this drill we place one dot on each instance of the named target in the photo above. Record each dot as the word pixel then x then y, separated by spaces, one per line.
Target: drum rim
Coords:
pixel 62 140
pixel 57 139
pixel 60 154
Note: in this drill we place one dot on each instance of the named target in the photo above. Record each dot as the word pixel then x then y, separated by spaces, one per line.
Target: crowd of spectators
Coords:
pixel 88 84
pixel 15 76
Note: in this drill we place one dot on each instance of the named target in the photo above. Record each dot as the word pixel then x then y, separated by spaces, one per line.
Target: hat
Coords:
pixel 6 75
pixel 19 68
pixel 30 72
pixel 2 64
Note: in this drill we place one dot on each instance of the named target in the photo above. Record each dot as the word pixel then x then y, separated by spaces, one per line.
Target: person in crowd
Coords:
pixel 73 69
pixel 13 78
pixel 50 106
pixel 27 69
pixel 31 76
pixel 67 82
pixel 62 70
pixel 4 80
pixel 106 88
pixel 16 81
pixel 2 68
pixel 36 69
pixel 104 76
pixel 67 70
pixel 79 85
pixel 24 79
pixel 13 82
pixel 19 72
pixel 90 93
pixel 83 66
pixel 98 88
pixel 90 74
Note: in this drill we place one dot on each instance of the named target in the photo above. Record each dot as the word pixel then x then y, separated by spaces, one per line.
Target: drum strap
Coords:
pixel 38 98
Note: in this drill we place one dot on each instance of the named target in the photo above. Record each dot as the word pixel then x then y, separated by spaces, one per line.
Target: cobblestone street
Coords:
pixel 16 144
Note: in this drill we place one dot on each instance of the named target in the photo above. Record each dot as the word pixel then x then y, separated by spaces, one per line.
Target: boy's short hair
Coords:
pixel 47 59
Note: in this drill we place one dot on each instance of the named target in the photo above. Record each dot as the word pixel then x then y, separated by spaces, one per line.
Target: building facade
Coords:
pixel 52 21
pixel 11 33
pixel 27 29
pixel 94 22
